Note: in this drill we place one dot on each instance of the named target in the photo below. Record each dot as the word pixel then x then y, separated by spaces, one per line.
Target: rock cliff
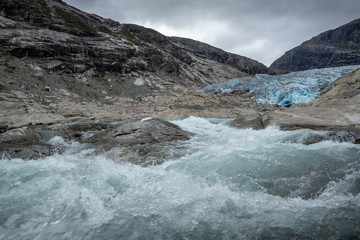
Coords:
pixel 338 47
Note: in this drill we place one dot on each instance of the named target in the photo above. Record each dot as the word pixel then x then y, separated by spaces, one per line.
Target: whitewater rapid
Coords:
pixel 224 183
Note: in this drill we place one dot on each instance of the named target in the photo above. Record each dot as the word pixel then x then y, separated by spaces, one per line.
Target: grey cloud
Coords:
pixel 259 29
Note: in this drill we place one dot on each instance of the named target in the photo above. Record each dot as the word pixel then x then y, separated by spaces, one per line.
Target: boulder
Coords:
pixel 20 135
pixel 249 119
pixel 334 136
pixel 25 151
pixel 74 130
pixel 132 133
pixel 23 143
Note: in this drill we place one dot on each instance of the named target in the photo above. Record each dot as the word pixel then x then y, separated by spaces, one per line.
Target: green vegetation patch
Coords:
pixel 106 30
pixel 145 38
pixel 135 27
pixel 130 37
pixel 144 34
pixel 73 22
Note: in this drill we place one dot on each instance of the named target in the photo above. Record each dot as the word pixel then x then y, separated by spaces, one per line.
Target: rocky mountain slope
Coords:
pixel 85 54
pixel 338 47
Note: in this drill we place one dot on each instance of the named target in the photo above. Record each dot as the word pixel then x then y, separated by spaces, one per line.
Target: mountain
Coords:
pixel 54 38
pixel 338 47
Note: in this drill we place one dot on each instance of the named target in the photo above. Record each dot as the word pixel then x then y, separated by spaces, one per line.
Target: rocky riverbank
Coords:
pixel 134 124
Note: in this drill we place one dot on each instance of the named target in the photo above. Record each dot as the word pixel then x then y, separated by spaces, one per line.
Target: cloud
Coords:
pixel 259 29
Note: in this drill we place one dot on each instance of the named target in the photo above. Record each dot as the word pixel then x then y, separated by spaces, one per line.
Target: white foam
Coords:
pixel 234 183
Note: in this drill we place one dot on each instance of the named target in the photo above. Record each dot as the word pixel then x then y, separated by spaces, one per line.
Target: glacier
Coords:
pixel 283 90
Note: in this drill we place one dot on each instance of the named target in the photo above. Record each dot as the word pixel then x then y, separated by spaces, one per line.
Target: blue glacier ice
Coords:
pixel 283 90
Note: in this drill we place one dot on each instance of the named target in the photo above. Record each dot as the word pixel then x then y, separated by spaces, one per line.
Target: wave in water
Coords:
pixel 226 184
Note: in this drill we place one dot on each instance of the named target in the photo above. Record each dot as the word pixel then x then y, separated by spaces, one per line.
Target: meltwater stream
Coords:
pixel 227 184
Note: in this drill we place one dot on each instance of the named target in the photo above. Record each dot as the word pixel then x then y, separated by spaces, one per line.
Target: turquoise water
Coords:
pixel 225 183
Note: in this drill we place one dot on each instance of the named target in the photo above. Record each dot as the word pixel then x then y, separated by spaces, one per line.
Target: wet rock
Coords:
pixel 24 144
pixel 344 136
pixel 139 132
pixel 250 119
pixel 334 136
pixel 74 130
pixel 146 155
pixel 312 139
pixel 25 151
pixel 20 135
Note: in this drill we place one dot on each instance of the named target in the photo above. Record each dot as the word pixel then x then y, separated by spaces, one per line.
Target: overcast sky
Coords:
pixel 259 29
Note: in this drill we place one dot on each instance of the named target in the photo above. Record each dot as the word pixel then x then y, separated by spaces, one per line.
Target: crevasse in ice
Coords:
pixel 283 90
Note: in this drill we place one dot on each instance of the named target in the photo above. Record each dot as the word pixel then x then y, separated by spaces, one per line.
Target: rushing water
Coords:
pixel 226 184
pixel 286 89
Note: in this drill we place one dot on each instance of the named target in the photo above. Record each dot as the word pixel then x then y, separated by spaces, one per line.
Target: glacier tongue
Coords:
pixel 283 90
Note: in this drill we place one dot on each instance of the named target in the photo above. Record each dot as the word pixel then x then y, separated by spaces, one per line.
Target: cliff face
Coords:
pixel 54 38
pixel 337 47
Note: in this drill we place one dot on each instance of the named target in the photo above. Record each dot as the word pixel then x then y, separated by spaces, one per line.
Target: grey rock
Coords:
pixel 74 130
pixel 204 50
pixel 20 135
pixel 26 151
pixel 312 139
pixel 338 47
pixel 24 144
pixel 151 154
pixel 251 119
pixel 139 132
pixel 39 75
pixel 335 136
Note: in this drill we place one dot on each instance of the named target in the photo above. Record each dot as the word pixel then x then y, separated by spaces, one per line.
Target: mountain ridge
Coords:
pixel 332 48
